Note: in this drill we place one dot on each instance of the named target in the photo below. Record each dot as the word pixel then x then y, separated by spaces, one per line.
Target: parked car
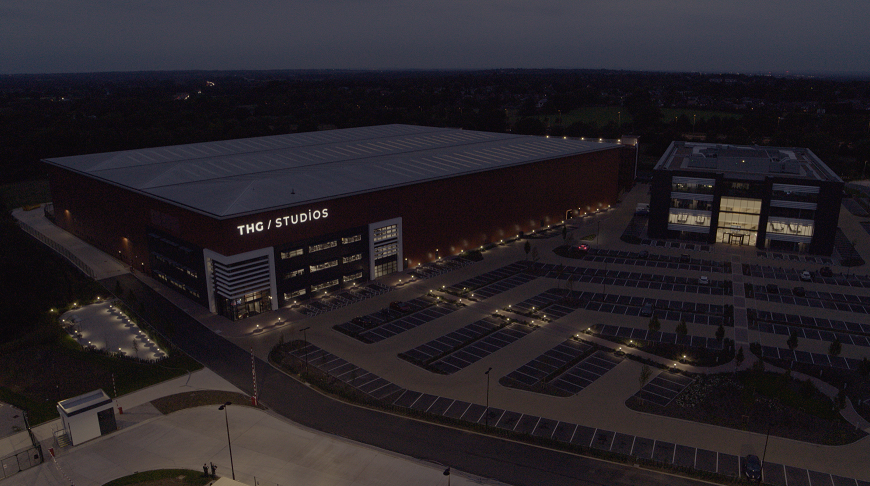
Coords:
pixel 363 321
pixel 752 467
pixel 643 255
pixel 798 291
pixel 646 310
pixel 826 272
pixel 684 258
pixel 400 306
pixel 771 288
pixel 579 250
pixel 806 276
pixel 703 280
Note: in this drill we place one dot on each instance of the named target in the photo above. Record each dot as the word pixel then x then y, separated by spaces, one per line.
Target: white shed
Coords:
pixel 87 416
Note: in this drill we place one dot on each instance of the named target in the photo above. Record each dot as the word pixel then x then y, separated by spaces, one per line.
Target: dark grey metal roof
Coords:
pixel 237 177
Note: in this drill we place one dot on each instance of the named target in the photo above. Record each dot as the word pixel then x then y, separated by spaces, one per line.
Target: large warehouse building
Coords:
pixel 245 226
pixel 779 198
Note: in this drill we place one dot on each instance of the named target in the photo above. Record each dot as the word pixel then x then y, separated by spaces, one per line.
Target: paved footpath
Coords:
pixel 266 448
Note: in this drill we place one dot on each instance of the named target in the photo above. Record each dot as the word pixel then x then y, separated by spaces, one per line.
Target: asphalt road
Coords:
pixel 507 461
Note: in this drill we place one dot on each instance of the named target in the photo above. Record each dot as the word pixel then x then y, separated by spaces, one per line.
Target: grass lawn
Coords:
pixel 754 401
pixel 35 376
pixel 23 193
pixel 163 477
pixel 200 398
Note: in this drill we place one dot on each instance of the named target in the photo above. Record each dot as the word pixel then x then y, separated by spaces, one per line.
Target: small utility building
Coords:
pixel 87 416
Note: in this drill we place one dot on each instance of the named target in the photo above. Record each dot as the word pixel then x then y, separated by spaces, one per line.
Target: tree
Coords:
pixel 864 367
pixel 720 333
pixel 738 358
pixel 645 374
pixel 654 324
pixel 835 348
pixel 758 366
pixel 527 248
pixel 564 233
pixel 570 241
pixel 792 341
pixel 535 254
pixel 682 329
pixel 840 400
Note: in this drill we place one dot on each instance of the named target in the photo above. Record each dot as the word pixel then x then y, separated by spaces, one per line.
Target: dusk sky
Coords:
pixel 50 36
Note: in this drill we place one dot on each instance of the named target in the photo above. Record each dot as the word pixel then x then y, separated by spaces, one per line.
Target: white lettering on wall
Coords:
pixel 283 221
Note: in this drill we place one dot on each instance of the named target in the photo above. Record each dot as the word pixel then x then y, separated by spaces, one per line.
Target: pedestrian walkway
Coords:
pixel 266 449
pixel 91 261
pixel 741 323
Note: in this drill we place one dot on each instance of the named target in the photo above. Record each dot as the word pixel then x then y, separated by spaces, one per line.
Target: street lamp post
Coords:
pixel 598 233
pixel 229 443
pixel 305 340
pixel 486 413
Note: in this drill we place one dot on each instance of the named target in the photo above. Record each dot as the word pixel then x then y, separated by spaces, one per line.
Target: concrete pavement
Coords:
pixel 266 448
pixel 598 406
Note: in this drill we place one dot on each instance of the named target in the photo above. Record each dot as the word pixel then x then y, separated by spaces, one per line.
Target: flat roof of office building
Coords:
pixel 237 177
pixel 746 162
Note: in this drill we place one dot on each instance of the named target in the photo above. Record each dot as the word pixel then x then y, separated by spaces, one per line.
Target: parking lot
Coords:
pixel 609 282
pixel 387 323
pixel 557 303
pixel 546 364
pixel 489 277
pixel 585 372
pixel 457 350
pixel 664 388
pixel 637 334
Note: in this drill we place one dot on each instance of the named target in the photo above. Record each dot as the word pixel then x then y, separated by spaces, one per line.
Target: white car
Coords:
pixel 703 280
pixel 806 276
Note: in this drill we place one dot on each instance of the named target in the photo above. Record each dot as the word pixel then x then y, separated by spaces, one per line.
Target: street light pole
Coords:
pixel 764 454
pixel 229 443
pixel 486 414
pixel 305 340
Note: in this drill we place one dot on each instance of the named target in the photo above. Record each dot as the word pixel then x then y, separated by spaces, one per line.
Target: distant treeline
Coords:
pixel 45 116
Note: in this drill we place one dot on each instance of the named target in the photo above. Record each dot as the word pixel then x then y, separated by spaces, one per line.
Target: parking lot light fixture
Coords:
pixel 229 443
pixel 486 413
pixel 305 340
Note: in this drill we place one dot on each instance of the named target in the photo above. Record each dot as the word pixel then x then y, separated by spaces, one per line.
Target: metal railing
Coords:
pixel 62 251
